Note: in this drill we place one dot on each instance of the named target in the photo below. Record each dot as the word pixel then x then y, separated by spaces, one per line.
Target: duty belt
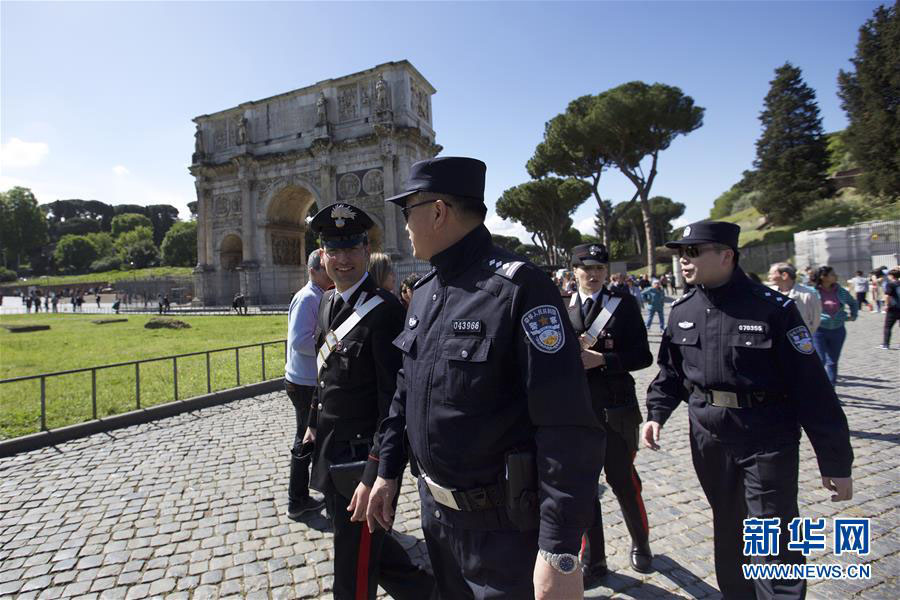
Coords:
pixel 725 399
pixel 483 498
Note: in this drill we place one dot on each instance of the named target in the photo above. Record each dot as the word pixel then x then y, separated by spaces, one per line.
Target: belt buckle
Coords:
pixel 441 494
pixel 725 399
pixel 331 341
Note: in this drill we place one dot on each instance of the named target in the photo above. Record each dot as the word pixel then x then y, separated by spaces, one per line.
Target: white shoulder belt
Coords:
pixel 333 338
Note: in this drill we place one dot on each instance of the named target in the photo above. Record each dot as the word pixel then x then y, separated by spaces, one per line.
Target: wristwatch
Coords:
pixel 564 563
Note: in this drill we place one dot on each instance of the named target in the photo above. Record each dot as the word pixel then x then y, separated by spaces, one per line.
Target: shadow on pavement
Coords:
pixel 665 567
pixel 881 437
pixel 861 402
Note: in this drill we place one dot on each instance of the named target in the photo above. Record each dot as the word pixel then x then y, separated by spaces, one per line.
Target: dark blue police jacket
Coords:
pixel 491 364
pixel 744 337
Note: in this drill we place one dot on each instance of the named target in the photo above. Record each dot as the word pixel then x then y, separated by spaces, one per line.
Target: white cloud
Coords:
pixel 499 226
pixel 120 170
pixel 680 222
pixel 586 226
pixel 16 153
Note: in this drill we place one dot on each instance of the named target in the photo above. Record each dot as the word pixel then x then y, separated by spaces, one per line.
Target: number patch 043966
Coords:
pixel 468 327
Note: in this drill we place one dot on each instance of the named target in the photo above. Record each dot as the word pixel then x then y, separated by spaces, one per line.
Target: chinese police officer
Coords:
pixel 614 342
pixel 740 355
pixel 493 398
pixel 357 373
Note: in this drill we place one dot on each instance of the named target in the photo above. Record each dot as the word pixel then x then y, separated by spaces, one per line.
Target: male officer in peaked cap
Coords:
pixel 357 373
pixel 739 354
pixel 494 401
pixel 614 341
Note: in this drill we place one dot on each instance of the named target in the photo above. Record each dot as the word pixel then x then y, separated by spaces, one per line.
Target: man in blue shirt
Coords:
pixel 300 378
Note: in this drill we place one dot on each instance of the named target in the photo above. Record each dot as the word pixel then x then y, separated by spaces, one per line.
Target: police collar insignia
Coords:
pixel 341 212
pixel 544 328
pixel 687 231
pixel 686 324
pixel 800 339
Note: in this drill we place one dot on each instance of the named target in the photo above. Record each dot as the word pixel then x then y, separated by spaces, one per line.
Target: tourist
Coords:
pixel 381 270
pixel 860 285
pixel 406 289
pixel 829 337
pixel 55 302
pixel 300 380
pixel 783 278
pixel 892 305
pixel 877 285
pixel 656 298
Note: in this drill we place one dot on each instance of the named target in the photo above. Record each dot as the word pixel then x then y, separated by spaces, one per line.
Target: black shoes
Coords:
pixel 641 558
pixel 594 574
pixel 296 509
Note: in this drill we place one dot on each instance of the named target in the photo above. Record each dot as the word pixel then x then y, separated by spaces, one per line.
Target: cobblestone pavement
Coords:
pixel 193 506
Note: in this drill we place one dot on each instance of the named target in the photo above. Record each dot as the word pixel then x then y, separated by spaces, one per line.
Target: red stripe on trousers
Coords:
pixel 637 493
pixel 362 564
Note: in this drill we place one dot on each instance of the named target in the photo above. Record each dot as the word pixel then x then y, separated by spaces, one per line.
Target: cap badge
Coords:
pixel 595 250
pixel 687 231
pixel 341 212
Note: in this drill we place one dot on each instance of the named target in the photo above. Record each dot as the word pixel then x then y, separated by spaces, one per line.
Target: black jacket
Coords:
pixel 745 337
pixel 356 384
pixel 490 364
pixel 623 343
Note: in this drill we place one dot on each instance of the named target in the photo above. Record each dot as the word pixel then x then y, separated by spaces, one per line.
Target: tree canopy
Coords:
pixel 129 222
pixel 870 94
pixel 179 247
pixel 544 207
pixel 22 225
pixel 575 145
pixel 74 253
pixel 791 156
pixel 639 121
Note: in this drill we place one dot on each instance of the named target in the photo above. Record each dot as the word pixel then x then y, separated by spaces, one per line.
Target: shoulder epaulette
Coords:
pixel 425 278
pixel 504 268
pixel 773 296
pixel 684 296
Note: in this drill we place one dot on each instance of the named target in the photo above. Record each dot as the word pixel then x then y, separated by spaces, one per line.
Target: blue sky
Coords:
pixel 96 99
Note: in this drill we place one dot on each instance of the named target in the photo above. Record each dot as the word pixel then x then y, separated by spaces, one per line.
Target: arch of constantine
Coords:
pixel 260 167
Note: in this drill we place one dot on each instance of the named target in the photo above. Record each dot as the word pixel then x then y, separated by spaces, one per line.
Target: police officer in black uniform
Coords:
pixel 739 354
pixel 494 400
pixel 614 341
pixel 357 374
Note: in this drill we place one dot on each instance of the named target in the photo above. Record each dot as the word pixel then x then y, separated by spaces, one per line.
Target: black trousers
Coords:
pixel 742 481
pixel 623 478
pixel 478 564
pixel 892 315
pixel 363 560
pixel 301 397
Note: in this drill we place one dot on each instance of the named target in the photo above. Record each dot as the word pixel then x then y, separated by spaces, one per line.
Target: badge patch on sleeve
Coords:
pixel 544 328
pixel 800 339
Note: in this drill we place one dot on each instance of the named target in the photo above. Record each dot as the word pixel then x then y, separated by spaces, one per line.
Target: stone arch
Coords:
pixel 231 251
pixel 286 211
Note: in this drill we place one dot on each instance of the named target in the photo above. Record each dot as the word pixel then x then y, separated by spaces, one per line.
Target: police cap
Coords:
pixel 341 225
pixel 708 232
pixel 456 176
pixel 589 254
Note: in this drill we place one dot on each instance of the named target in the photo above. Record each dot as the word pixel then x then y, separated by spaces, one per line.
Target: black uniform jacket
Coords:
pixel 491 364
pixel 623 343
pixel 356 384
pixel 745 337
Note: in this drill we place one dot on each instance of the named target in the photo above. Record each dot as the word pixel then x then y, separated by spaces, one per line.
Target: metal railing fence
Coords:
pixel 43 377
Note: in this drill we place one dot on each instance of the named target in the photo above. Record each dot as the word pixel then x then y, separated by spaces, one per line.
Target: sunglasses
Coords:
pixel 405 210
pixel 693 251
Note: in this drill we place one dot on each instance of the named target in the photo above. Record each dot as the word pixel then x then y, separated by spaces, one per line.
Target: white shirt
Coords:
pixel 861 284
pixel 349 291
pixel 595 296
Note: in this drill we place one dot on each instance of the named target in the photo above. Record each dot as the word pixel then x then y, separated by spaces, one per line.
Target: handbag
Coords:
pixel 346 476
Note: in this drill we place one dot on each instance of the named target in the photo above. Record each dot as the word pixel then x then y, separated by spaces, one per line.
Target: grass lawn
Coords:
pixel 107 276
pixel 74 342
